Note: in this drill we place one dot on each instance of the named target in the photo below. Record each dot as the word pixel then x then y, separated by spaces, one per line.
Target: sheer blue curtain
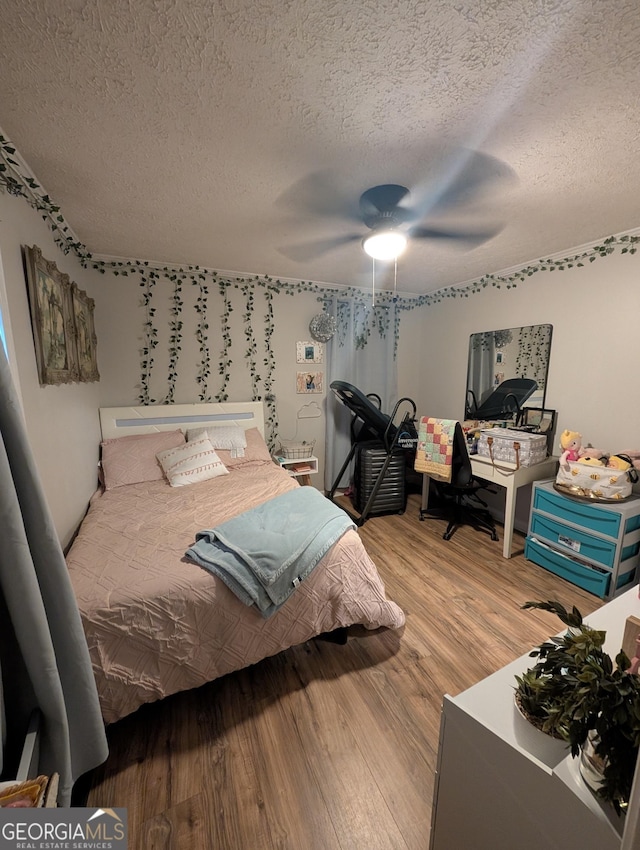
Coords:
pixel 363 353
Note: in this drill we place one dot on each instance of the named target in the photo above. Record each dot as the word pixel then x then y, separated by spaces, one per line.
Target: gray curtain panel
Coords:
pixel 43 652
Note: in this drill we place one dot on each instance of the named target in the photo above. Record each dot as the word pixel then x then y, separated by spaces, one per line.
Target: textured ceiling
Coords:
pixel 192 131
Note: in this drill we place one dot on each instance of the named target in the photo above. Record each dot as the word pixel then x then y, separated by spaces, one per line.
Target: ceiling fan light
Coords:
pixel 385 244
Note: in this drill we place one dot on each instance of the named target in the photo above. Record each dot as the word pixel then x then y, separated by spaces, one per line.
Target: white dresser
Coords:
pixel 503 785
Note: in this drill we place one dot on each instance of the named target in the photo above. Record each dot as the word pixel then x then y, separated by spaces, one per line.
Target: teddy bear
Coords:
pixel 571 445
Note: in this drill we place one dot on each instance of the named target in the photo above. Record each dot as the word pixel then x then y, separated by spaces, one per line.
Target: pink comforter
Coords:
pixel 157 624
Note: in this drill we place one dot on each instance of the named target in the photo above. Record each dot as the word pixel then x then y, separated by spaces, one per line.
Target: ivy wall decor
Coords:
pixel 533 353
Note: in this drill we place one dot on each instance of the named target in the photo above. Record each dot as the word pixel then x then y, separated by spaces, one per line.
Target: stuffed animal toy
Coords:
pixel 623 463
pixel 571 444
pixel 634 456
pixel 590 451
pixel 620 462
pixel 592 461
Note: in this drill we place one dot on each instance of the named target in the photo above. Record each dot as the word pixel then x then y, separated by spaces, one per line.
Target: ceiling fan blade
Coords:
pixel 310 250
pixel 466 237
pixel 462 179
pixel 319 195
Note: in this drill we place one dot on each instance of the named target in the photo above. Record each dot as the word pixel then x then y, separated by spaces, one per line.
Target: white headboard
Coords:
pixel 124 421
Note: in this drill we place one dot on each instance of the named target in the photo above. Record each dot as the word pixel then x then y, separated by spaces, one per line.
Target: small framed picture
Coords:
pixel 309 382
pixel 542 419
pixel 499 357
pixel 309 352
pixel 83 308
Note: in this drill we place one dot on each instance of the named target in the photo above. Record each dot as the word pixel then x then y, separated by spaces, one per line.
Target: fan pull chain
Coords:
pixel 395 276
pixel 373 282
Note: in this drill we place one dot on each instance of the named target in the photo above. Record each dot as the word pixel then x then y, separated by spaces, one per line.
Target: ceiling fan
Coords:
pixel 393 215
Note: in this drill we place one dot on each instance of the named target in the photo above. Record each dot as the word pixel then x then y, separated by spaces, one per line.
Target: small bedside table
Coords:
pixel 301 468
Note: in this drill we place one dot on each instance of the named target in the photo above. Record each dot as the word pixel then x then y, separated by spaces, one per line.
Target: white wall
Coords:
pixel 593 367
pixel 62 421
pixel 592 382
pixel 292 316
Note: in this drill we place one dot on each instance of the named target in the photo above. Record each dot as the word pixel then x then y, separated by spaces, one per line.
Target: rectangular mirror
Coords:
pixel 507 371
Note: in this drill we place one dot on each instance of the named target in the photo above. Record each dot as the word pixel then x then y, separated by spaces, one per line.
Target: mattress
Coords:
pixel 157 624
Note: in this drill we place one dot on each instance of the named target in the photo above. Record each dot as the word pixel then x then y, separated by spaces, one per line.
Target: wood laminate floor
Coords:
pixel 328 746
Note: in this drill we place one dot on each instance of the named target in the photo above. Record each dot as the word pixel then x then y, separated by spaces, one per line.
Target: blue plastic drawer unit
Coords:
pixel 591 544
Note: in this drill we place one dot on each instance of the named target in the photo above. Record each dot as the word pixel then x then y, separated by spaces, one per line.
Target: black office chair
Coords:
pixel 459 500
pixel 504 402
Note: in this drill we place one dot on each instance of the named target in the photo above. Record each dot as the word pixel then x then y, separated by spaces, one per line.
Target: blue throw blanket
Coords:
pixel 263 554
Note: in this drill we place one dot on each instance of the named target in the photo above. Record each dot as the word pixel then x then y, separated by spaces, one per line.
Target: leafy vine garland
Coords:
pixel 269 362
pixel 224 359
pixel 202 336
pixel 150 337
pixel 16 180
pixel 249 335
pixel 175 337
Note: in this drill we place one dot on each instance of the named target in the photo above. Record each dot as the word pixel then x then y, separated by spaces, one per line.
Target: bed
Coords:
pixel 156 622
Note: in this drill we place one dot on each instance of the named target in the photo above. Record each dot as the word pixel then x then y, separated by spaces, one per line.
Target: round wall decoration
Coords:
pixel 322 327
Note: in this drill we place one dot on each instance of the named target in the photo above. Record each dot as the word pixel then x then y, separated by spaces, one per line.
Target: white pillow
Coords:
pixel 191 462
pixel 231 438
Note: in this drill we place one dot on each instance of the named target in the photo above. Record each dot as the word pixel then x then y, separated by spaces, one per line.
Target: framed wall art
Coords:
pixel 309 352
pixel 85 335
pixel 50 303
pixel 309 382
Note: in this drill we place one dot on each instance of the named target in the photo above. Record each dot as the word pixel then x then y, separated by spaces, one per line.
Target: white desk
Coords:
pixel 504 475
